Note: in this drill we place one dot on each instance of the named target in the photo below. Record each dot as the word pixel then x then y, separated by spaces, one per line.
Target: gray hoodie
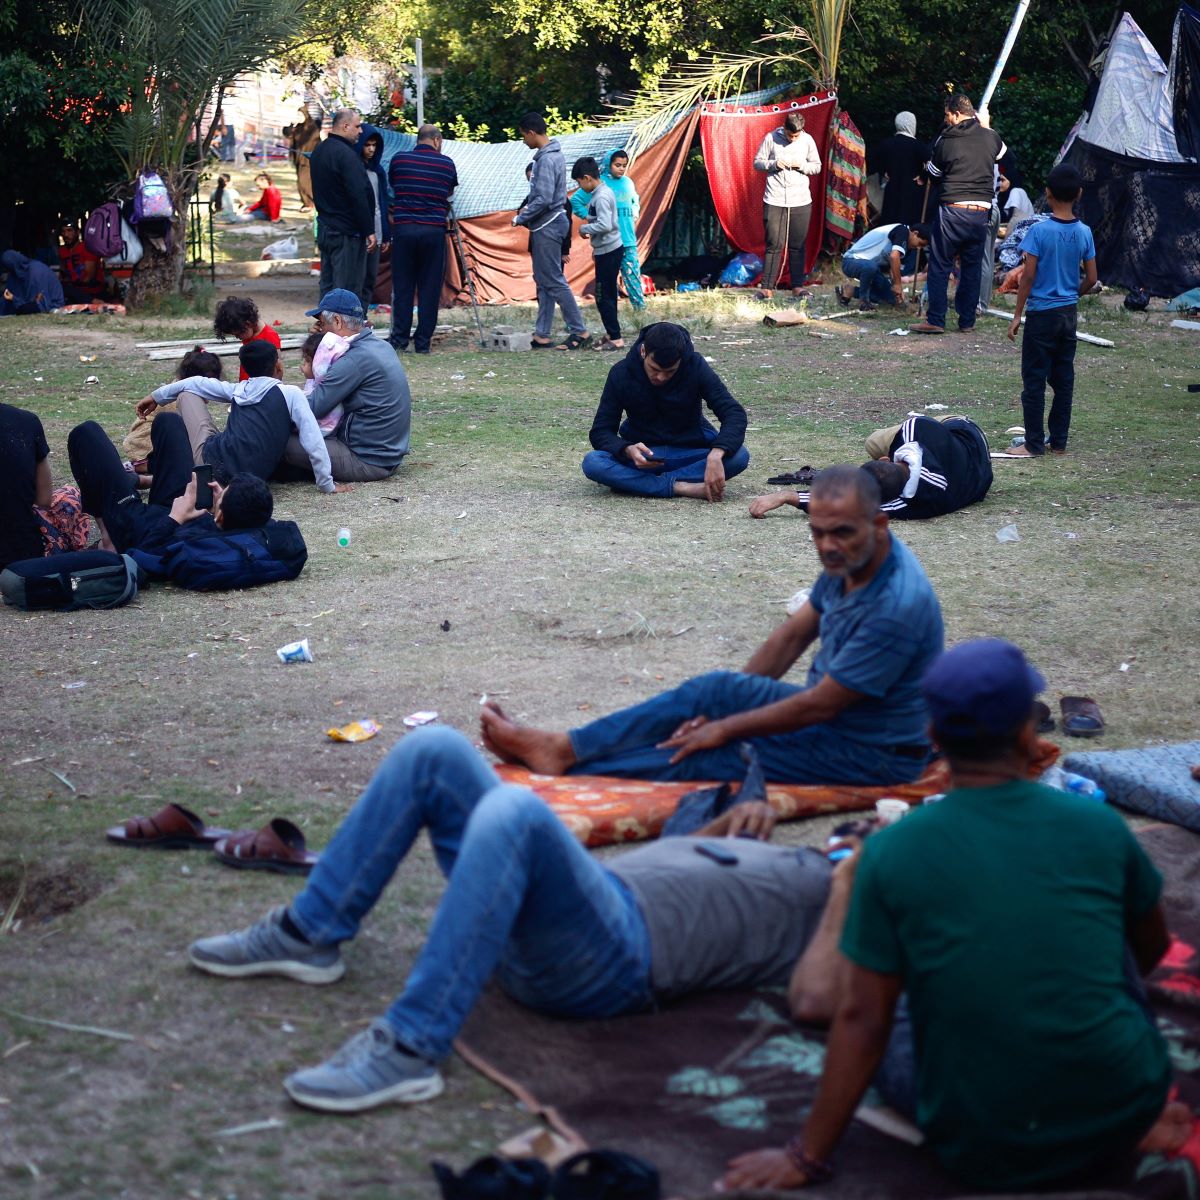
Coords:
pixel 547 189
pixel 602 226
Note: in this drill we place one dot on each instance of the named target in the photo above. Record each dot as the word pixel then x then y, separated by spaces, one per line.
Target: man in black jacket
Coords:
pixel 345 205
pixel 666 447
pixel 964 164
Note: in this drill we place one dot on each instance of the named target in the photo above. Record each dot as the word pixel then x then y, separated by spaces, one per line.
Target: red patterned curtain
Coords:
pixel 730 135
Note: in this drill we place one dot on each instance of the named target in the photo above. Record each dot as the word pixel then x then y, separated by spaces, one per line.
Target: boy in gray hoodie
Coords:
pixel 604 233
pixel 543 213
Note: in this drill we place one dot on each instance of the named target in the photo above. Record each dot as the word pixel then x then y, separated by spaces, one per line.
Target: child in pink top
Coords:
pixel 319 352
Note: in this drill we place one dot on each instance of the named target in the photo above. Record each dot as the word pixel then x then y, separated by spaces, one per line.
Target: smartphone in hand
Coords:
pixel 204 493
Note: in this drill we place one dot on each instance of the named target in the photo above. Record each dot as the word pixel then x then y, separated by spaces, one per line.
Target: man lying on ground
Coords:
pixel 860 718
pixel 262 411
pixel 562 933
pixel 1007 913
pixel 110 492
pixel 666 447
pixel 924 467
pixel 372 388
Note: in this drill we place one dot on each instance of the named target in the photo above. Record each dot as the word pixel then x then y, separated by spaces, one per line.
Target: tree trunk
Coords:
pixel 161 273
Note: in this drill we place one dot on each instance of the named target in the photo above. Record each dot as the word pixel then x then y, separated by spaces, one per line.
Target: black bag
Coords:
pixel 494 1178
pixel 82 579
pixel 1137 300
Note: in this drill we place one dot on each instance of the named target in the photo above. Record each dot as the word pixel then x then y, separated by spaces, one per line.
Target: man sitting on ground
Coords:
pixel 879 260
pixel 80 271
pixel 562 933
pixel 666 447
pixel 261 415
pixel 859 720
pixel 925 468
pixel 370 384
pixel 1007 913
pixel 110 492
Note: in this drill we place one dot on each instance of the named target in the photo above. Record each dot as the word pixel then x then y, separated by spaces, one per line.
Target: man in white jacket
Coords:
pixel 788 157
pixel 261 416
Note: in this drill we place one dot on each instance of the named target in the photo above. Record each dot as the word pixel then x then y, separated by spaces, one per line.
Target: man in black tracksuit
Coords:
pixel 930 468
pixel 666 447
pixel 345 205
pixel 964 164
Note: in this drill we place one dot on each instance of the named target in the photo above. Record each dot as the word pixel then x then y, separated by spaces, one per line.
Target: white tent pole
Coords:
pixel 419 80
pixel 1001 62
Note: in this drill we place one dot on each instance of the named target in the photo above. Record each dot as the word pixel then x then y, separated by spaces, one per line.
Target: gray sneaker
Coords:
pixel 265 949
pixel 369 1070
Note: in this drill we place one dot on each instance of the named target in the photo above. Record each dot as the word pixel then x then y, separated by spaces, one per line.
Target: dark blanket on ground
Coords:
pixel 692 1086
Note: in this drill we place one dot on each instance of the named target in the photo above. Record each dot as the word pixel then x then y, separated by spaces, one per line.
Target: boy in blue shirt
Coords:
pixel 1050 287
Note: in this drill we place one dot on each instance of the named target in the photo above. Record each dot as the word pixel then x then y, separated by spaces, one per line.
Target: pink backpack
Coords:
pixel 102 233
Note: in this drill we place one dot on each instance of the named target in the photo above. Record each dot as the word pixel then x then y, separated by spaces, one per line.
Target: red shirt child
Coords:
pixel 237 316
pixel 270 204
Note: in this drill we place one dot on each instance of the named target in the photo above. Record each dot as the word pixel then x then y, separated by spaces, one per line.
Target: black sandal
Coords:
pixel 577 341
pixel 541 345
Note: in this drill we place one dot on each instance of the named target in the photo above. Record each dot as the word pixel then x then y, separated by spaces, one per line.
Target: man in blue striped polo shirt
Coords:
pixel 859 719
pixel 422 180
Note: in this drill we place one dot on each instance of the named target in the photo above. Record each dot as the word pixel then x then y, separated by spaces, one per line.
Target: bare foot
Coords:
pixel 1170 1131
pixel 1021 452
pixel 539 750
pixel 695 490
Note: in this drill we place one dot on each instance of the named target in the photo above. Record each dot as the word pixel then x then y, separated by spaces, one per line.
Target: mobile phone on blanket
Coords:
pixel 204 493
pixel 719 854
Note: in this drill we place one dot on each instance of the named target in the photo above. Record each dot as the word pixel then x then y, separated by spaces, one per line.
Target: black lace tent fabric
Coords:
pixel 1145 218
pixel 1185 76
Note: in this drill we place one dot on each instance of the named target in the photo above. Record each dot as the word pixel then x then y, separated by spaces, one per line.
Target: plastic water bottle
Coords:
pixel 1068 781
pixel 343 538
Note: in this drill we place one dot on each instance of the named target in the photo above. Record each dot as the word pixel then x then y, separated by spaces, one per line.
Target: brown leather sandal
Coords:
pixel 173 827
pixel 278 846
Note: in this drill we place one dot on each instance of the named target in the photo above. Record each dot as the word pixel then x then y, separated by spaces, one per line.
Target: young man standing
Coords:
pixel 878 261
pixel 1011 914
pixel 543 213
pixel 1050 288
pixel 603 231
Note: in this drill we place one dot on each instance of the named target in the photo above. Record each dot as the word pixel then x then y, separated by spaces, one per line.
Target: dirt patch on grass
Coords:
pixel 35 893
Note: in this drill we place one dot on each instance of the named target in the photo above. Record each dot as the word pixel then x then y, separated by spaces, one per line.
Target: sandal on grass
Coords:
pixel 171 828
pixel 541 345
pixel 1041 714
pixel 278 846
pixel 577 341
pixel 1081 717
pixel 802 478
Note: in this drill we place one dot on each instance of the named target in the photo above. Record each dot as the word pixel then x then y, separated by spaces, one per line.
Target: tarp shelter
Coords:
pixel 730 134
pixel 492 185
pixel 1137 149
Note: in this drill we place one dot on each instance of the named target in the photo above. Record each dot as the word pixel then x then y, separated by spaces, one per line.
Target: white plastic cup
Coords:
pixel 343 538
pixel 890 810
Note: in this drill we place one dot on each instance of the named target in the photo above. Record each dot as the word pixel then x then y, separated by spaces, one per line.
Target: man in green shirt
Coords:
pixel 1007 913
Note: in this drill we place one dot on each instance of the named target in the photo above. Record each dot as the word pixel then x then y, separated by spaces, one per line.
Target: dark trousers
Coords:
pixel 370 274
pixel 418 266
pixel 608 267
pixel 1048 355
pixel 787 229
pixel 109 492
pixel 960 232
pixel 343 260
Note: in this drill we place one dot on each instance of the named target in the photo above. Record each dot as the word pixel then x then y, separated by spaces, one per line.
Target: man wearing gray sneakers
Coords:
pixel 524 901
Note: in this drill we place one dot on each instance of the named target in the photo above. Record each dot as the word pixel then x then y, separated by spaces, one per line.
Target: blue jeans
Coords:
pixel 962 232
pixel 683 463
pixel 625 742
pixel 523 898
pixel 874 280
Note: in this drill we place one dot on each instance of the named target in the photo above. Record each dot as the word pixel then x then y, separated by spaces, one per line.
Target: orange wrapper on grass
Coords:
pixel 356 731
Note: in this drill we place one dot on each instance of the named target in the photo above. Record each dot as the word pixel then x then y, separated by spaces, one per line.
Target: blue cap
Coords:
pixel 339 300
pixel 984 686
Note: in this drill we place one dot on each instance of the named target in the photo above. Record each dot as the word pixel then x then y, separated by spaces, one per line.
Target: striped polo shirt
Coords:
pixel 880 640
pixel 422 180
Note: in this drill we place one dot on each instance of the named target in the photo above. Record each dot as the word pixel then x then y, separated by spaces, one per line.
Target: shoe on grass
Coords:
pixel 926 327
pixel 369 1070
pixel 265 949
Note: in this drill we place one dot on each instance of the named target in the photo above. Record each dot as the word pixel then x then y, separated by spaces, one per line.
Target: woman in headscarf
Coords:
pixel 31 287
pixel 898 160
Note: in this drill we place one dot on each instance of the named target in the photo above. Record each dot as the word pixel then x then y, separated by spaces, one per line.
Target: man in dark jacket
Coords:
pixel 345 208
pixel 666 446
pixel 370 146
pixel 964 164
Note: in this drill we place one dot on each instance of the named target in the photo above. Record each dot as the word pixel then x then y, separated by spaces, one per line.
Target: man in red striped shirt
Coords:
pixel 422 180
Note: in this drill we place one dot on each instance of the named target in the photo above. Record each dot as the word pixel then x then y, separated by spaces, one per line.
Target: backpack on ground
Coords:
pixel 81 579
pixel 245 558
pixel 151 200
pixel 102 233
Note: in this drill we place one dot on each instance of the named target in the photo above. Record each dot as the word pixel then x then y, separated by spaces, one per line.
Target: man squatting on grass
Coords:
pixel 666 447
pixel 526 902
pixel 1007 919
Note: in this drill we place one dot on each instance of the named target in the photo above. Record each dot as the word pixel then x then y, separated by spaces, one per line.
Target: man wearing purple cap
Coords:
pixel 1011 914
pixel 369 383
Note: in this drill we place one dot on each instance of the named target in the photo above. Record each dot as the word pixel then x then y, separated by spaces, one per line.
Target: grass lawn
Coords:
pixel 563 600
